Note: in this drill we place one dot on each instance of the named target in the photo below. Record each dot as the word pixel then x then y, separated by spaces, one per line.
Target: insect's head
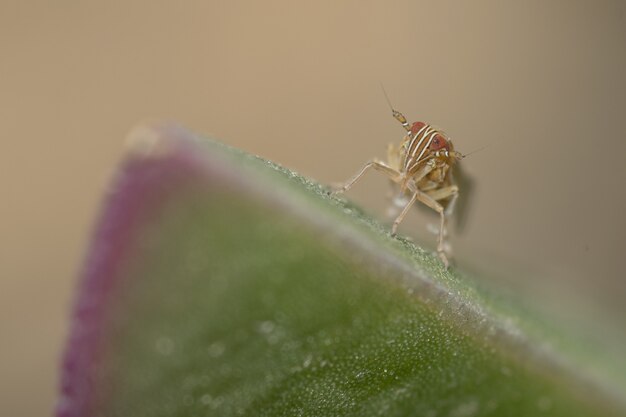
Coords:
pixel 442 148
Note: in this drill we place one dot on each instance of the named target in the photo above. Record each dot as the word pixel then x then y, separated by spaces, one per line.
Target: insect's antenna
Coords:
pixel 396 114
pixel 386 96
pixel 474 151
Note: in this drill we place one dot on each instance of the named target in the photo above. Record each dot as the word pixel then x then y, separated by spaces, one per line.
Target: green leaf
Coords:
pixel 221 284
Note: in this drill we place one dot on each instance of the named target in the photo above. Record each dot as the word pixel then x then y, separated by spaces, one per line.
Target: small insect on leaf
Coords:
pixel 422 166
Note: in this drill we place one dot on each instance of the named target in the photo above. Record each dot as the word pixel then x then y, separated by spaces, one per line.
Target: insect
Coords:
pixel 422 166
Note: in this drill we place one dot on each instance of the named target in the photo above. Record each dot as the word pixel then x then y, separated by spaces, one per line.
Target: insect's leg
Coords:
pixel 417 176
pixel 405 210
pixel 398 200
pixel 417 194
pixel 433 204
pixel 451 191
pixel 377 165
pixel 452 203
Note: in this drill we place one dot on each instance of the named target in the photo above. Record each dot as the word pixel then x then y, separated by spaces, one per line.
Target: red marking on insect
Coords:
pixel 415 127
pixel 438 143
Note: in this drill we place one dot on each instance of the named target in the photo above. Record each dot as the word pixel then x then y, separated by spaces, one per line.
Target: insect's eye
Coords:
pixel 415 127
pixel 438 143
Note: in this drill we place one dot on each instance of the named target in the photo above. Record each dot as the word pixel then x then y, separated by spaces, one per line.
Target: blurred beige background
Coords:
pixel 543 84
